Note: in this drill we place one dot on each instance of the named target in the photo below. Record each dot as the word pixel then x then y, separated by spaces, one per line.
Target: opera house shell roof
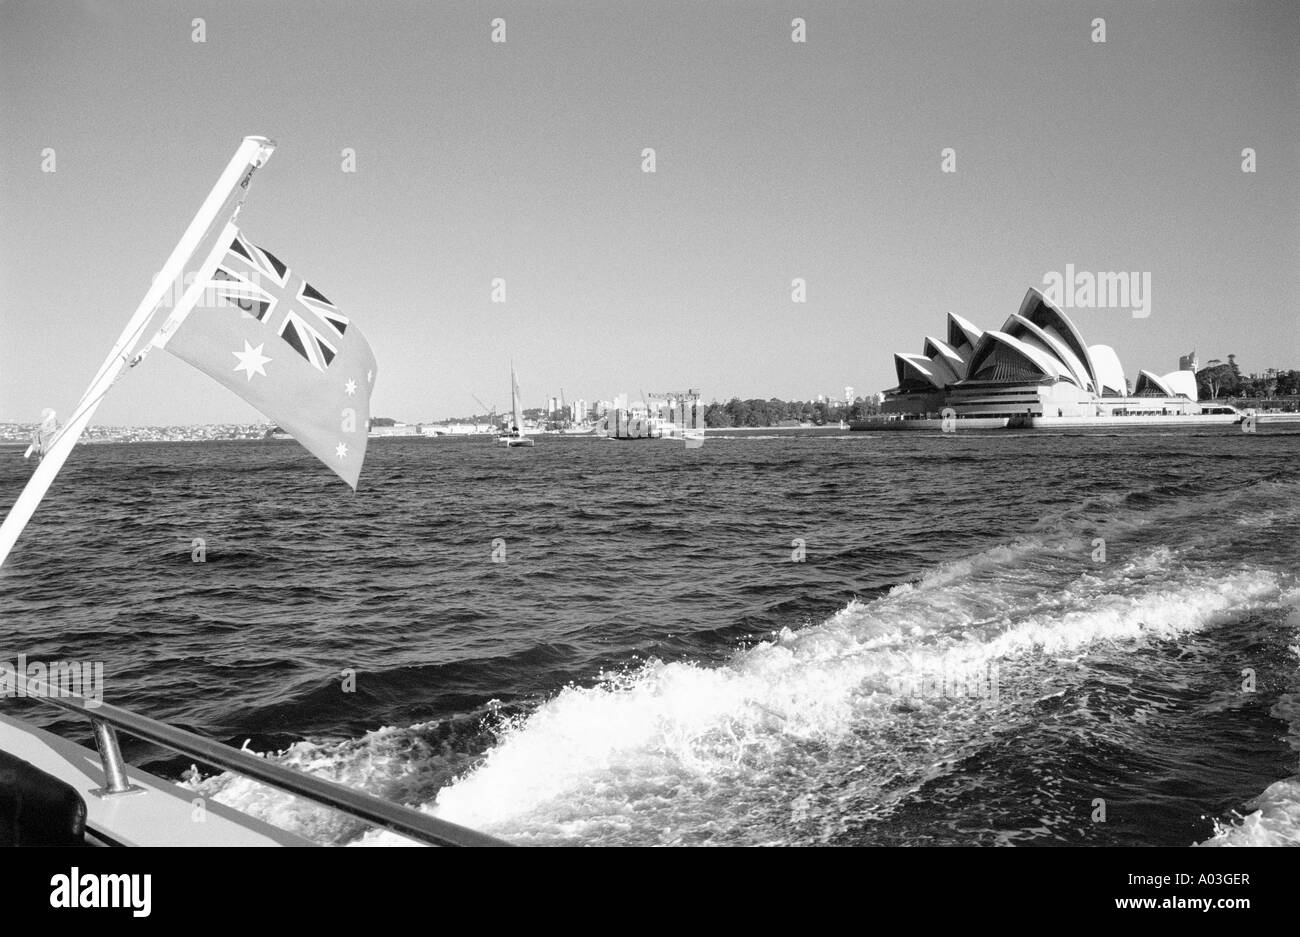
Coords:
pixel 1039 352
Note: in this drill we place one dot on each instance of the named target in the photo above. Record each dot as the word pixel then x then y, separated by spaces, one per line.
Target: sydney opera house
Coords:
pixel 1036 370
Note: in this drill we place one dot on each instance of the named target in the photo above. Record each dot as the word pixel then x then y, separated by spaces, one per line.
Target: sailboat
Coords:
pixel 514 436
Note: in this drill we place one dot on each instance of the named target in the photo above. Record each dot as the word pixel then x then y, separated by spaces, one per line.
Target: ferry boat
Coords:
pixel 1216 416
pixel 682 419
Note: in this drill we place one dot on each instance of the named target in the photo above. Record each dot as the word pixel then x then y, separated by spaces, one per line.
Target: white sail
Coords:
pixel 514 401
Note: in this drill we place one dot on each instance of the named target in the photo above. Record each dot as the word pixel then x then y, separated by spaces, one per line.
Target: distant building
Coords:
pixel 848 394
pixel 396 429
pixel 579 410
pixel 552 406
pixel 455 429
pixel 1188 363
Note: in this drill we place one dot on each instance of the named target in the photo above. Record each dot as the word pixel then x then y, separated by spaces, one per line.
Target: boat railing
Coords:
pixel 105 719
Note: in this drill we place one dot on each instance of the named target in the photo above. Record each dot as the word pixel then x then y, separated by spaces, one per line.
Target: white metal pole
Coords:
pixel 253 153
pixel 202 280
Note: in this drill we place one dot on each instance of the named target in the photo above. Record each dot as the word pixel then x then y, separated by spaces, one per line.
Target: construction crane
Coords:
pixel 492 411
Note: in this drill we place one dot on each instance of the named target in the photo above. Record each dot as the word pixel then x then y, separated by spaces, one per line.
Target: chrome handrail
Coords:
pixel 104 717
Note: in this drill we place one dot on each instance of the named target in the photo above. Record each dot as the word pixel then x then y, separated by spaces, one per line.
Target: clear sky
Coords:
pixel 774 160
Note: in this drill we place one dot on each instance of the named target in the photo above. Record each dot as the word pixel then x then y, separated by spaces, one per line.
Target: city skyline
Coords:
pixel 813 168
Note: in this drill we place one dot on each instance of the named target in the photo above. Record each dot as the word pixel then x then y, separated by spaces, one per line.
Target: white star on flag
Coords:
pixel 341 451
pixel 350 387
pixel 251 360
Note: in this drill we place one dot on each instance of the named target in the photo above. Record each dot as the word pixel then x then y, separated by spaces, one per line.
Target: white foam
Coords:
pixel 680 721
pixel 669 750
pixel 1274 822
pixel 380 762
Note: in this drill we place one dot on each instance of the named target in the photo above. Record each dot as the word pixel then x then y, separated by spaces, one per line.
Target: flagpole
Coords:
pixel 232 185
pixel 202 281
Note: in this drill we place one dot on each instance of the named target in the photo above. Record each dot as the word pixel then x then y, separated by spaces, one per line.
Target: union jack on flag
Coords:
pixel 261 285
pixel 275 340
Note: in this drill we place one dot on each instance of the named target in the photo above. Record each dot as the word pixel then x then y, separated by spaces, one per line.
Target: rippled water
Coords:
pixel 953 661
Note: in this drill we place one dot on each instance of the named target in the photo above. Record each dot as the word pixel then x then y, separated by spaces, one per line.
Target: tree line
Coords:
pixel 773 412
pixel 1219 379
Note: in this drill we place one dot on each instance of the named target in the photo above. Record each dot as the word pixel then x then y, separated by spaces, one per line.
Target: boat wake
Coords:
pixel 811 734
pixel 722 751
